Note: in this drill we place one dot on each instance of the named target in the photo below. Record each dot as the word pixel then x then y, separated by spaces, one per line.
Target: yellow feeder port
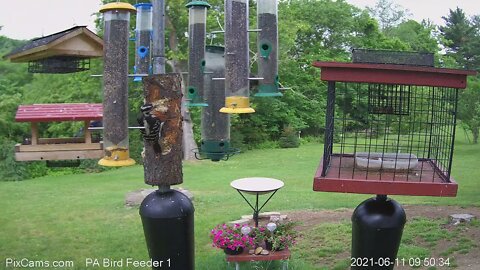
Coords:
pixel 116 157
pixel 237 104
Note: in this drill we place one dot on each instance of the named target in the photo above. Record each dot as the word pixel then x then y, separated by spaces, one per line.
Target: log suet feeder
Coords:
pixel 390 128
pixel 197 20
pixel 143 34
pixel 63 52
pixel 267 18
pixel 116 18
pixel 237 86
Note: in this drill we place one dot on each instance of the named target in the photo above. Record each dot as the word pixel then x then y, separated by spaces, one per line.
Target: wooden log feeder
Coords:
pixel 164 93
pixel 39 149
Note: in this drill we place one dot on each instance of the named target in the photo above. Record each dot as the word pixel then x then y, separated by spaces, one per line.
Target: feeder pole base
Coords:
pixel 377 227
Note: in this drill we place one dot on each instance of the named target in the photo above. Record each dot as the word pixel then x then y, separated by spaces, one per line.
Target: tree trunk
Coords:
pixel 188 139
pixel 475 132
pixel 164 93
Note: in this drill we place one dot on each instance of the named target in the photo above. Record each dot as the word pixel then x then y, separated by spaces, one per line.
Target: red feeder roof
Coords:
pixel 393 74
pixel 59 112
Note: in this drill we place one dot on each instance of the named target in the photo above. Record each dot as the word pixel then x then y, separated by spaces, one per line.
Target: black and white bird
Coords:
pixel 152 126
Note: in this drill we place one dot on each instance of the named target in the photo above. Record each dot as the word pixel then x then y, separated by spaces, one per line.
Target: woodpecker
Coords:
pixel 152 126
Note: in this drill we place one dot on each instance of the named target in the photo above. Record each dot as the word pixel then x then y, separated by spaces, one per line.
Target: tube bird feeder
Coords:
pixel 215 144
pixel 267 11
pixel 143 34
pixel 115 84
pixel 196 48
pixel 237 90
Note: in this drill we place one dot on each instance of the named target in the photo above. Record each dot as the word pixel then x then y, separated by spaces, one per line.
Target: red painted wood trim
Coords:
pixel 383 187
pixel 393 74
pixel 59 112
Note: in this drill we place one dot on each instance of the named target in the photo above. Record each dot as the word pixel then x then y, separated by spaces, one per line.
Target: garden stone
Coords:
pixel 456 219
pixel 240 221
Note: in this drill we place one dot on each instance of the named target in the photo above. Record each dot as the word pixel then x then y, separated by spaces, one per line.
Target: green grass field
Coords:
pixel 76 217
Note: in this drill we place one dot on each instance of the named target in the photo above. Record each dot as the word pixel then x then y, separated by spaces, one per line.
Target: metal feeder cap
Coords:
pixel 198 4
pixel 117 6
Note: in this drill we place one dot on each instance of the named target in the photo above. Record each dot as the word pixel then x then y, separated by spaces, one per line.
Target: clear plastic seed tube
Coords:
pixel 115 85
pixel 236 58
pixel 196 52
pixel 143 33
pixel 267 11
pixel 215 125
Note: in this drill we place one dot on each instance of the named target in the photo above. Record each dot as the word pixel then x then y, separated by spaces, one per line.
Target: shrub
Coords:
pixel 289 138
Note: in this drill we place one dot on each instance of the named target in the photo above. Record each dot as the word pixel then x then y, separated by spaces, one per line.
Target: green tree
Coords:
pixel 461 38
pixel 388 13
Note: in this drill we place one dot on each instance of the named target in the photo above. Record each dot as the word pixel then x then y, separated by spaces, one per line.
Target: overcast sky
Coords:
pixel 26 19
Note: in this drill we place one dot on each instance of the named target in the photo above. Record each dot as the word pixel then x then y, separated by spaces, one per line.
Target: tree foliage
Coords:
pixel 461 38
pixel 309 30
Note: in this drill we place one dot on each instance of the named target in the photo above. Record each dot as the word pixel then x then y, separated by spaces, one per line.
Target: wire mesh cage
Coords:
pixel 391 142
pixel 392 57
pixel 389 131
pixel 59 64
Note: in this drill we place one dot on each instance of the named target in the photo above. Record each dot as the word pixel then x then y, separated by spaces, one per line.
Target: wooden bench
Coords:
pixel 283 255
pixel 59 148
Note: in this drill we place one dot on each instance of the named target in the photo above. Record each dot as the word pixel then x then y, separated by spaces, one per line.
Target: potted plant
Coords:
pixel 231 238
pixel 279 236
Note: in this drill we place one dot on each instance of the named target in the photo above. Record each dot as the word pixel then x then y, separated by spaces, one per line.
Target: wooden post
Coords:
pixel 164 93
pixel 34 133
pixel 87 133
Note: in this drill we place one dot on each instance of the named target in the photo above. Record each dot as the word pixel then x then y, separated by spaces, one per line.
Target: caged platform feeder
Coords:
pixel 390 129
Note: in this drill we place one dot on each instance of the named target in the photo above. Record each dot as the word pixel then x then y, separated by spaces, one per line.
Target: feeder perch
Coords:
pixel 63 52
pixel 267 16
pixel 237 71
pixel 143 33
pixel 390 128
pixel 115 84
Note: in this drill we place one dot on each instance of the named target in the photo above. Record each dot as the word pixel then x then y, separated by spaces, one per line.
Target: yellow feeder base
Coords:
pixel 116 157
pixel 237 104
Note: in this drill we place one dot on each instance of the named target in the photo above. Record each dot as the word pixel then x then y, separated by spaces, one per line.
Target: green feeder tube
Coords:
pixel 267 11
pixel 196 52
pixel 215 128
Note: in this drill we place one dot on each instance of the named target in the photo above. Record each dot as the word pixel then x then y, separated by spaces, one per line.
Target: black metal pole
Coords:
pixel 255 213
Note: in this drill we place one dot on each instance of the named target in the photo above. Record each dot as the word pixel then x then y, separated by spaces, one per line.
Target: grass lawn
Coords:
pixel 76 217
